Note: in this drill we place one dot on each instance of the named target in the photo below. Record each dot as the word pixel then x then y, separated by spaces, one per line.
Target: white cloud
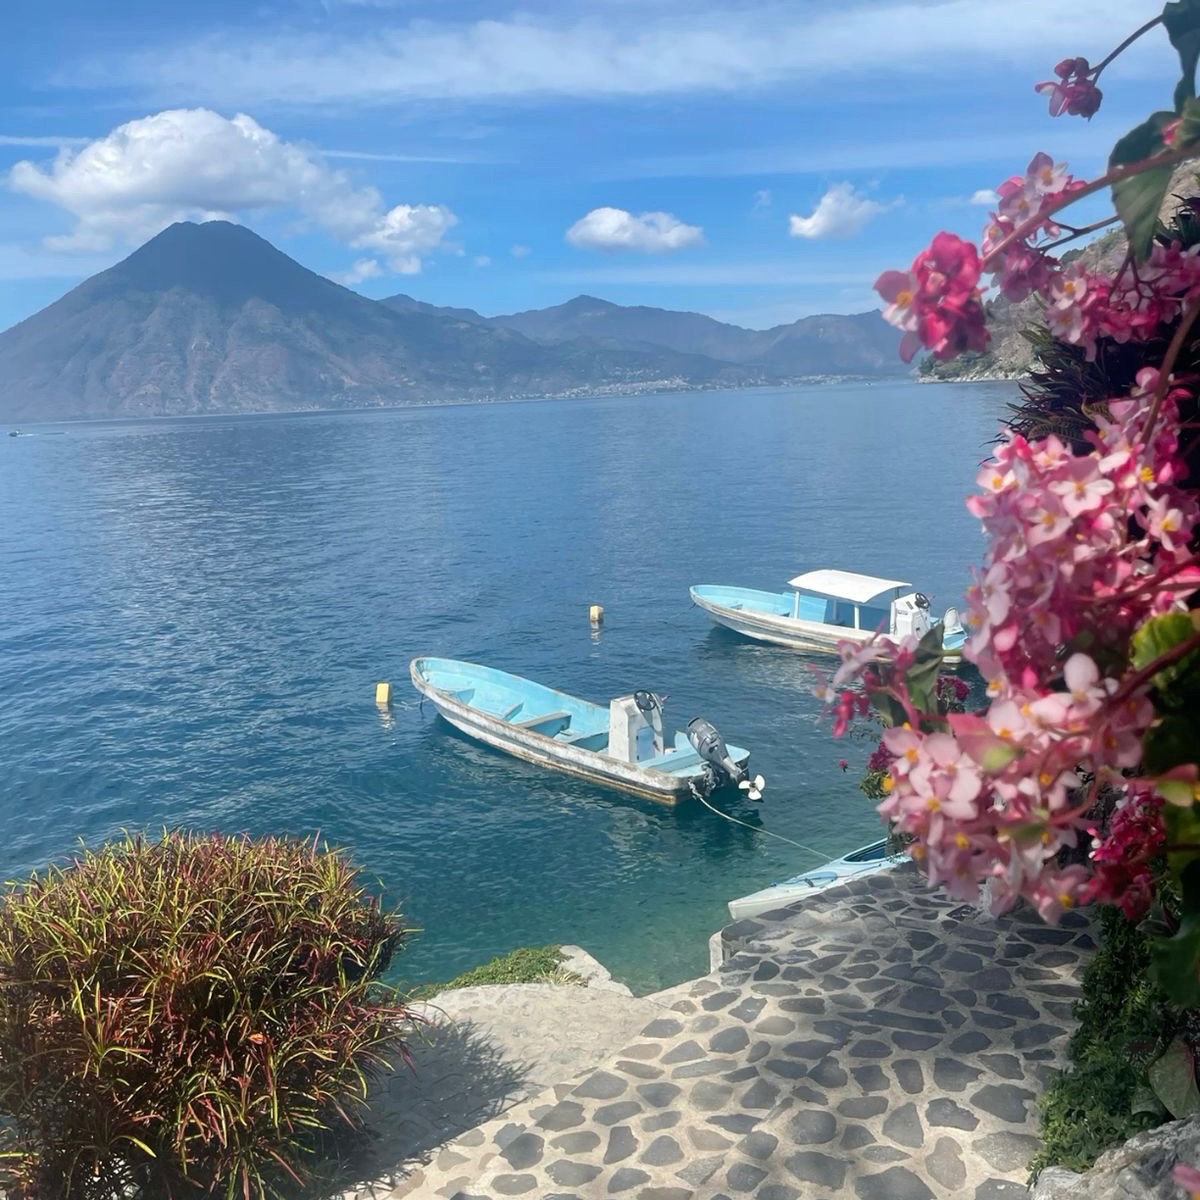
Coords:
pixel 483 260
pixel 985 196
pixel 840 213
pixel 649 233
pixel 762 199
pixel 363 268
pixel 519 251
pixel 403 234
pixel 628 50
pixel 196 164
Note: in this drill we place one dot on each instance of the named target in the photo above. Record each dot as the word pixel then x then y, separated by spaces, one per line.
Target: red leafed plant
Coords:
pixel 185 1017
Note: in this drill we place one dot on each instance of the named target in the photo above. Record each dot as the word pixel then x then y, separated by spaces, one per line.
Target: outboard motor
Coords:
pixel 710 745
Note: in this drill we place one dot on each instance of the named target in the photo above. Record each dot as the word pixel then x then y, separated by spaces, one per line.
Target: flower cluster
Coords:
pixel 1080 776
pixel 1084 306
pixel 1083 549
pixel 1122 856
pixel 937 302
pixel 1073 91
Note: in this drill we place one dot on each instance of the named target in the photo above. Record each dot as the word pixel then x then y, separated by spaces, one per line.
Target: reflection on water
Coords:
pixel 759 664
pixel 197 613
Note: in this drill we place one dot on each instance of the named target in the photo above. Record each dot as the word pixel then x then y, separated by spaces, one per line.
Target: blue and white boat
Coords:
pixel 866 860
pixel 826 607
pixel 621 744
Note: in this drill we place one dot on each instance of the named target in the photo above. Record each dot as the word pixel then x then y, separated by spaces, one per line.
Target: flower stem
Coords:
pixel 1166 159
pixel 1133 37
pixel 1168 364
pixel 1074 233
pixel 1167 659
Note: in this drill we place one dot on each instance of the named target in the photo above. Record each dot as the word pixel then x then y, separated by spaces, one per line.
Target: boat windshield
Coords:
pixel 872 853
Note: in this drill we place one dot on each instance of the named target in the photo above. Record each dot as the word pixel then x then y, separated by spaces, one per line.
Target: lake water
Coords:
pixel 194 614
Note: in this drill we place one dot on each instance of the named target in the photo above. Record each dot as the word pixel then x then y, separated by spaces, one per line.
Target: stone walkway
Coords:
pixel 879 1042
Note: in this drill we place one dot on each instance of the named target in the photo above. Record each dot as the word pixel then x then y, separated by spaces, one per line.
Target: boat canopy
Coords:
pixel 845 585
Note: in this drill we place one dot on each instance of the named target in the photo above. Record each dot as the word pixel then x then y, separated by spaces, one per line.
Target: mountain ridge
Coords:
pixel 818 345
pixel 211 318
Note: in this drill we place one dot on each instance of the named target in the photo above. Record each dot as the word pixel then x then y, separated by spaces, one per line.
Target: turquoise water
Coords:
pixel 196 612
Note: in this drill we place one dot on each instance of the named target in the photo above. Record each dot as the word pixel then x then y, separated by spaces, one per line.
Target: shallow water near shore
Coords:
pixel 196 613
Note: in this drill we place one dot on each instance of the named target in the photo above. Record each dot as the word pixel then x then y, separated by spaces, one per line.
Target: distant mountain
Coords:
pixel 862 344
pixel 211 318
pixel 403 303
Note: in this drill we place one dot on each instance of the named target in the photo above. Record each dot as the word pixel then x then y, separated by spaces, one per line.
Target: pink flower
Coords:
pixel 899 289
pixel 937 303
pixel 1073 91
pixel 857 656
pixel 1188 1178
pixel 1081 487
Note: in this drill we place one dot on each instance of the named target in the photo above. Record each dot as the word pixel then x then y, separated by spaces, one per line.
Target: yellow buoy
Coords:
pixel 383 693
pixel 596 614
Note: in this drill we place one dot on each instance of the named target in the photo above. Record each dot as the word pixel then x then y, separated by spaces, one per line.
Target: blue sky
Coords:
pixel 505 156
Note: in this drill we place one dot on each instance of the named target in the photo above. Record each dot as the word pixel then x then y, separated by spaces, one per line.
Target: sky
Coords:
pixel 756 161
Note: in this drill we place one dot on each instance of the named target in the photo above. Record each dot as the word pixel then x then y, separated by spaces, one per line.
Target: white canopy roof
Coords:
pixel 845 585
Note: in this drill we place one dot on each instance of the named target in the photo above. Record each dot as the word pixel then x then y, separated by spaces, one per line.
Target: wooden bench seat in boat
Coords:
pixel 597 740
pixel 671 763
pixel 536 723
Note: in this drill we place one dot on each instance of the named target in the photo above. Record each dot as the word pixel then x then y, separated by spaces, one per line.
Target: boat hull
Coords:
pixel 780 629
pixel 865 861
pixel 546 751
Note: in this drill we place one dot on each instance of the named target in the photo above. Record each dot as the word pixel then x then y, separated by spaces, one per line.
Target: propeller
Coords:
pixel 753 788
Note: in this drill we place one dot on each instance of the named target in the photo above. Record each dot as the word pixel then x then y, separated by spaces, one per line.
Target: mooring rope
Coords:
pixel 755 828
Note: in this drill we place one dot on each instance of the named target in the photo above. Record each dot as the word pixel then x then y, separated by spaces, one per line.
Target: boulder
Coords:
pixel 1138 1170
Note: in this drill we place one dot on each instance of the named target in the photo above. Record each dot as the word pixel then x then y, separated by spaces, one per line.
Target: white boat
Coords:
pixel 621 744
pixel 827 607
pixel 866 860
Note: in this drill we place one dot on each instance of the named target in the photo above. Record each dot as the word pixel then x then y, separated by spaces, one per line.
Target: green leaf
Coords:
pixel 1189 124
pixel 1173 1078
pixel 1175 960
pixel 1179 683
pixel 1138 198
pixel 1183 829
pixel 1181 19
pixel 923 674
pixel 1145 1100
pixel 891 711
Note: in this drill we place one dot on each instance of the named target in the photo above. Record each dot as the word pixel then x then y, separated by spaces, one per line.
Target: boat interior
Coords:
pixel 531 706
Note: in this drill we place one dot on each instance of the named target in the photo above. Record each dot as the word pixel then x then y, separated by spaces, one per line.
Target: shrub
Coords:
pixel 1125 1022
pixel 185 1017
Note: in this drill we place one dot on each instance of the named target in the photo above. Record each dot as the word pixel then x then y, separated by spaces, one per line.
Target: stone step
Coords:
pixel 486 1063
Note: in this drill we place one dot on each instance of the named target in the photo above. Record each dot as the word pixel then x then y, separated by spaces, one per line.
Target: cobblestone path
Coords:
pixel 879 1043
